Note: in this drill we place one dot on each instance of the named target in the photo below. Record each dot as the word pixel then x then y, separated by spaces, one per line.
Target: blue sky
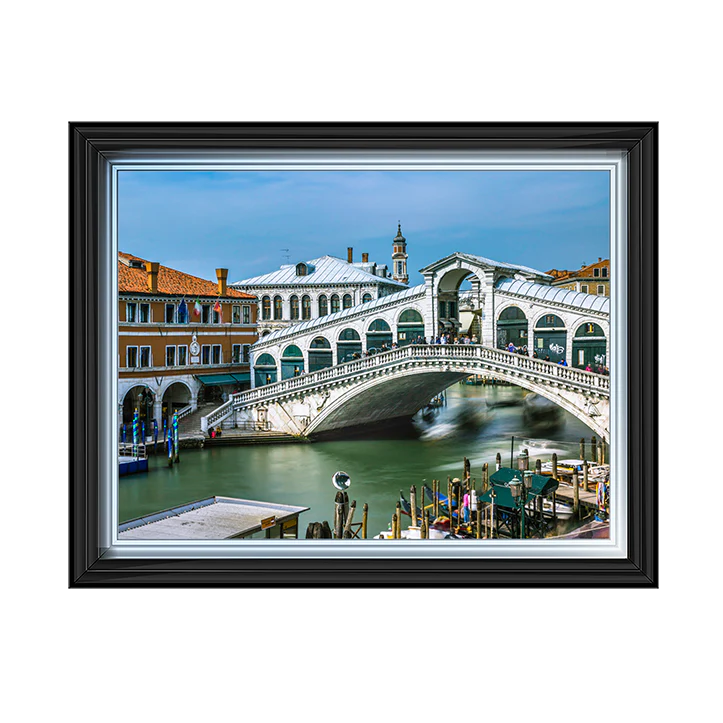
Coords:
pixel 242 220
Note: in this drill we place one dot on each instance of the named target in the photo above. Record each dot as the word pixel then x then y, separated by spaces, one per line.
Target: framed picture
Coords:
pixel 374 354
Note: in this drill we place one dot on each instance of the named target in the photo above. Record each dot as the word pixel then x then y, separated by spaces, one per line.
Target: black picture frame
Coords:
pixel 91 144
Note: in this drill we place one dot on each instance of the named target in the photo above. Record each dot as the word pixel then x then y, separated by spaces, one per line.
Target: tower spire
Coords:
pixel 399 257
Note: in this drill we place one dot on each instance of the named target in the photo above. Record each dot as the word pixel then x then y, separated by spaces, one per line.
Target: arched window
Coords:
pixel 349 346
pixel 550 321
pixel 334 303
pixel 379 325
pixel 323 305
pixel 410 327
pixel 320 354
pixel 292 362
pixel 265 371
pixel 349 335
pixel 294 307
pixel 266 308
pixel 347 301
pixel 278 308
pixel 512 328
pixel 305 307
pixel 265 332
pixel 301 270
pixel 366 297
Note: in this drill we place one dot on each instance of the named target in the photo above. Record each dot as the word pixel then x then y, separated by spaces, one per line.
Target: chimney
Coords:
pixel 365 258
pixel 222 275
pixel 152 269
pixel 599 259
pixel 350 254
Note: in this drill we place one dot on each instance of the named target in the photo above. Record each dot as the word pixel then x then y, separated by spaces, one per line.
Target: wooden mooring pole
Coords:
pixel 575 495
pixel 585 484
pixel 413 503
pixel 365 514
pixel 593 448
pixel 485 476
pixel 582 448
pixel 346 534
pixel 554 465
pixel 498 461
pixel 399 521
pixel 339 515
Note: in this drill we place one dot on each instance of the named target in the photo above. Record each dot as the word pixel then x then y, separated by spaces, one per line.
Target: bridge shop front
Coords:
pixel 550 338
pixel 320 354
pixel 589 347
pixel 410 327
pixel 512 327
pixel 265 371
pixel 348 345
pixel 379 334
pixel 292 362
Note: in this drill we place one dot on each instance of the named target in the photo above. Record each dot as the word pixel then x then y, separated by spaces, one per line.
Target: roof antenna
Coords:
pixel 287 256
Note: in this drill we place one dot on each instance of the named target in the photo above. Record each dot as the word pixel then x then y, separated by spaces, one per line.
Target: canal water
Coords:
pixel 476 422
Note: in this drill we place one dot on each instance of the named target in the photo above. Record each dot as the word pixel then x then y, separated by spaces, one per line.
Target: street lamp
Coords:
pixel 520 490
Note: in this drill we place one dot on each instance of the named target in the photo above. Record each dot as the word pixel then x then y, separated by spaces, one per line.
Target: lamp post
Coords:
pixel 520 490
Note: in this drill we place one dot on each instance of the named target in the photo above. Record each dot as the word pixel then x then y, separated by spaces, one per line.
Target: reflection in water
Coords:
pixel 477 422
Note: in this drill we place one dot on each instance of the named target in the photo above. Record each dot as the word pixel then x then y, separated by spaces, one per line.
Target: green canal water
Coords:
pixel 477 422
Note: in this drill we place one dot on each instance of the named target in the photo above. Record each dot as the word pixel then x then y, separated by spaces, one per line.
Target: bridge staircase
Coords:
pixel 189 425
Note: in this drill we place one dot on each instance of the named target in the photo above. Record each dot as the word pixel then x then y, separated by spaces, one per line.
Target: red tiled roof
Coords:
pixel 170 281
pixel 585 272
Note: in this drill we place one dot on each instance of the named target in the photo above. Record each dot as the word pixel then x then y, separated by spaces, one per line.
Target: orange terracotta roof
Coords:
pixel 585 272
pixel 170 281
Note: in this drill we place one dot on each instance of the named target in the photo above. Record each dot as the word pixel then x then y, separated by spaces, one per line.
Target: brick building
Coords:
pixel 171 358
pixel 590 279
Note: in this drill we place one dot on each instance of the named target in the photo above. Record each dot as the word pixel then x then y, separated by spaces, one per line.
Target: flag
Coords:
pixel 217 309
pixel 197 308
pixel 182 310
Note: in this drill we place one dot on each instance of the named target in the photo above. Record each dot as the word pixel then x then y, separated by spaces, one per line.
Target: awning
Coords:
pixel 210 380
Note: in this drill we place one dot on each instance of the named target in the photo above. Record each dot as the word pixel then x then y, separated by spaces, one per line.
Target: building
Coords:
pixel 590 279
pixel 312 289
pixel 182 340
pixel 399 258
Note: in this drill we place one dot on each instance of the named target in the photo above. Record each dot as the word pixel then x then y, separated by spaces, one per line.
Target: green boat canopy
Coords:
pixel 214 379
pixel 541 485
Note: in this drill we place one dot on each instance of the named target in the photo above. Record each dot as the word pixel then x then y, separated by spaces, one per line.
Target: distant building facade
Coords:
pixel 318 287
pixel 590 279
pixel 169 356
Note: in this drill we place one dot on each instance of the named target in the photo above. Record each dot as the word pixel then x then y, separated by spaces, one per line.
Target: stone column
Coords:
pixel 488 310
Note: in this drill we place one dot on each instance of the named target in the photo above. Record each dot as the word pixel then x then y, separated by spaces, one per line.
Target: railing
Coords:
pixel 546 372
pixel 181 413
pixel 128 449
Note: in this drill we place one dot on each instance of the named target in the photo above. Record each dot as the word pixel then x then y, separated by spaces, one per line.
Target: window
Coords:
pixel 400 268
pixel 294 307
pixel 347 301
pixel 442 309
pixel 246 353
pixel 596 272
pixel 205 313
pixel 182 314
pixel 601 290
pixel 145 313
pixel 334 303
pixel 170 313
pixel 236 354
pixel 236 314
pixel 305 307
pixel 205 354
pixel 170 356
pixel 216 354
pixel 301 270
pixel 323 306
pixel 131 312
pixel 266 308
pixel 580 357
pixel 132 356
pixel 145 356
pixel 583 288
pixel 278 311
pixel 218 316
pixel 247 314
pixel 605 272
pixel 452 309
pixel 182 356
pixel 366 297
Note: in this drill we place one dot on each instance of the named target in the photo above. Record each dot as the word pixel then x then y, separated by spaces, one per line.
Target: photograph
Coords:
pixel 364 354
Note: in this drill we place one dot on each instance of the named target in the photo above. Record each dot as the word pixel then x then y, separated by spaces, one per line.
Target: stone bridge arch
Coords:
pixel 402 392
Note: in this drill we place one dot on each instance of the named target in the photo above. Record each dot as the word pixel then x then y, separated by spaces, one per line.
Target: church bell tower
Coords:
pixel 399 257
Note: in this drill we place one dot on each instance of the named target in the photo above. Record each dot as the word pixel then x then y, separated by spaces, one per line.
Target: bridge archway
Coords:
pixel 512 327
pixel 402 394
pixel 379 334
pixel 550 337
pixel 292 362
pixel 410 326
pixel 589 346
pixel 320 354
pixel 176 396
pixel 140 397
pixel 347 345
pixel 447 289
pixel 265 371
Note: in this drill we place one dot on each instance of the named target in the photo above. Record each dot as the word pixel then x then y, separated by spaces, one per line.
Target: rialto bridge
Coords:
pixel 317 376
